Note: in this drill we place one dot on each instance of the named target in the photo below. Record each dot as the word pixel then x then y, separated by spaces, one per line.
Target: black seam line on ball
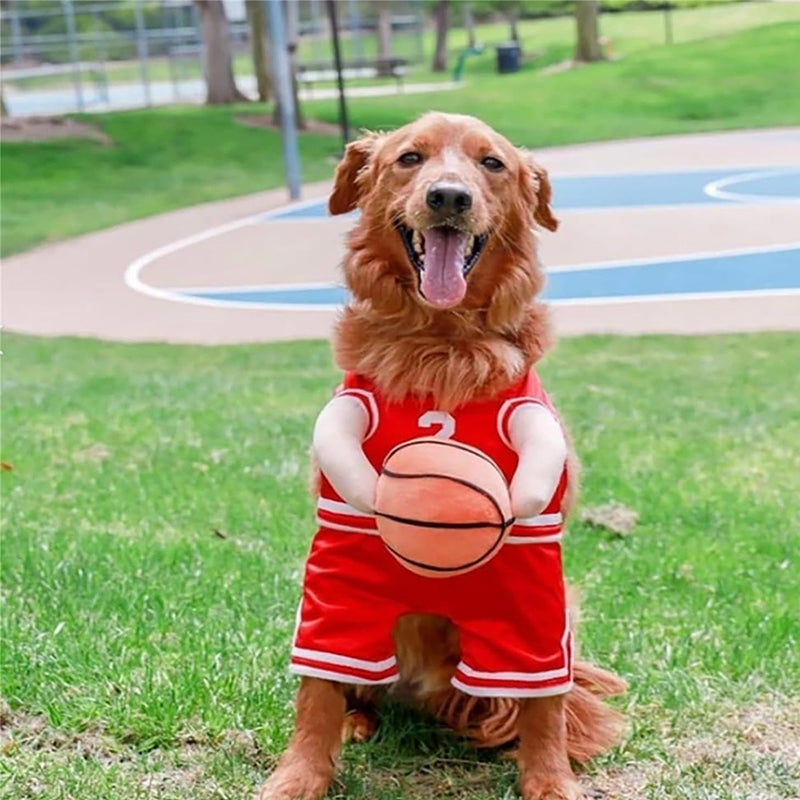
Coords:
pixel 446 443
pixel 461 481
pixel 497 542
pixel 444 525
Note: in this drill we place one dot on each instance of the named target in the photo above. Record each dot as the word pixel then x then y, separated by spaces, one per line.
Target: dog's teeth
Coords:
pixel 417 242
pixel 470 245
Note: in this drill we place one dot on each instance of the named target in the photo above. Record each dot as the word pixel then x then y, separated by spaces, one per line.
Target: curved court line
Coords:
pixel 132 274
pixel 718 188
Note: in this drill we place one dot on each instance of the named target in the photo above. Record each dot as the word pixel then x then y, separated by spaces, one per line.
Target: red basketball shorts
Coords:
pixel 511 614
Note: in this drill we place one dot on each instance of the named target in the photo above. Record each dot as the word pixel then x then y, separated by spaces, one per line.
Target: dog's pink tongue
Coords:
pixel 443 283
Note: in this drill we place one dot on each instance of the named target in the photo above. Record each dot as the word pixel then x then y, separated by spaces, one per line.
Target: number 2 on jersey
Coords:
pixel 445 421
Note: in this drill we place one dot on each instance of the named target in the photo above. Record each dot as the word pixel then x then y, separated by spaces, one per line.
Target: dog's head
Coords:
pixel 447 206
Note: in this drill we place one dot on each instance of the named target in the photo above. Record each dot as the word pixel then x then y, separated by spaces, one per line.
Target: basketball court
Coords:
pixel 690 234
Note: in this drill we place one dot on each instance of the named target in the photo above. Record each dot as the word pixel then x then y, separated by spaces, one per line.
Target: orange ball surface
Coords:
pixel 442 507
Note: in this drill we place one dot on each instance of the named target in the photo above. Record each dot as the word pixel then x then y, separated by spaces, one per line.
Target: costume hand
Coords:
pixel 538 439
pixel 338 436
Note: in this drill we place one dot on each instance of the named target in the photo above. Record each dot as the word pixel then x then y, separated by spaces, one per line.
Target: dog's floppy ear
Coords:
pixel 540 191
pixel 348 184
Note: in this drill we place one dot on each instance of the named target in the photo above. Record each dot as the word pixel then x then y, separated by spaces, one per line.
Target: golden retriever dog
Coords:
pixel 457 327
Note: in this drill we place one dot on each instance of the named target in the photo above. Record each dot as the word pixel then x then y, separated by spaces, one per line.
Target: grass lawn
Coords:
pixel 156 521
pixel 160 159
pixel 166 158
pixel 738 81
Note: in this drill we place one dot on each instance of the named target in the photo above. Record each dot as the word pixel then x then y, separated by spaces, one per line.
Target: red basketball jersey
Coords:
pixel 511 612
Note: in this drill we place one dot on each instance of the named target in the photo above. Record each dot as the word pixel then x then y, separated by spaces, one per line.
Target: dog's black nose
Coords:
pixel 449 197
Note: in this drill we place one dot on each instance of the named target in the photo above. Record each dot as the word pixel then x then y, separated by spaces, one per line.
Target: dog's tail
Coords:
pixel 592 726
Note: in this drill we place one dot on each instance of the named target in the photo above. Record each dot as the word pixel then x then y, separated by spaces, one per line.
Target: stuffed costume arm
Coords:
pixel 539 441
pixel 337 444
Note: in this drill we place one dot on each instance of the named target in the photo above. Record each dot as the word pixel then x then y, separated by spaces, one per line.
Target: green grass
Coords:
pixel 744 80
pixel 144 637
pixel 168 158
pixel 160 159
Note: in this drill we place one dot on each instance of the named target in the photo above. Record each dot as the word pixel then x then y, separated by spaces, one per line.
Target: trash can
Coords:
pixel 508 57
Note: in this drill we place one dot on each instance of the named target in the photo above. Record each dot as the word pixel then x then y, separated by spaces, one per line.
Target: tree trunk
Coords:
pixel 220 85
pixel 384 38
pixel 257 20
pixel 586 20
pixel 440 56
pixel 469 24
pixel 513 18
pixel 3 106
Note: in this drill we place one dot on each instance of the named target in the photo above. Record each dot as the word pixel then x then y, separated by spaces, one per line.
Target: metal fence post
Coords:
pixel 285 96
pixel 141 49
pixel 355 31
pixel 74 55
pixel 16 34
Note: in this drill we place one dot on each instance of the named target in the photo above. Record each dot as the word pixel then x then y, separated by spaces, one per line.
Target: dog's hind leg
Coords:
pixel 306 769
pixel 361 718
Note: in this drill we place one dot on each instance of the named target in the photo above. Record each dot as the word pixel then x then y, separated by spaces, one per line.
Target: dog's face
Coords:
pixel 446 202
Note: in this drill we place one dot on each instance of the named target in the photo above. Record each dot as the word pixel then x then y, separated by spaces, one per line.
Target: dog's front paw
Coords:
pixel 297 779
pixel 542 785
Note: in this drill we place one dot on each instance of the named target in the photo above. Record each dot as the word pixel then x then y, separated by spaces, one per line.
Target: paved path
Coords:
pixel 694 234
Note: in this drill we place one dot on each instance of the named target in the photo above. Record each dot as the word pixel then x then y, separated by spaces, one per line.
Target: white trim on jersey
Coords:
pixel 511 691
pixel 556 537
pixel 324 523
pixel 339 507
pixel 372 405
pixel 344 661
pixel 343 677
pixel 540 521
pixel 546 675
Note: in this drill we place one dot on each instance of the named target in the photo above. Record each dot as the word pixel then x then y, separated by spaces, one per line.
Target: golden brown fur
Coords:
pixel 404 345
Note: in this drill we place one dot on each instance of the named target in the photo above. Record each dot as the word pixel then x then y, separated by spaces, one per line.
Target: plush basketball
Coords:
pixel 442 507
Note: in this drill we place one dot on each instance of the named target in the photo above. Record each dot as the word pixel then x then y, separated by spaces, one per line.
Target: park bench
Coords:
pixel 319 72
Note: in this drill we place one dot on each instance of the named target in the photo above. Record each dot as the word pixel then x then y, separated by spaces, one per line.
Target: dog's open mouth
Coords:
pixel 443 257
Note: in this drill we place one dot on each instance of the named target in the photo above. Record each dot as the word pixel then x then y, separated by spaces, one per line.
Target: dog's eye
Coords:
pixel 410 159
pixel 493 164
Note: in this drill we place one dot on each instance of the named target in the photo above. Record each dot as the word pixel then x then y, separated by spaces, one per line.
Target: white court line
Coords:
pixel 132 277
pixel 654 298
pixel 571 301
pixel 718 188
pixel 695 256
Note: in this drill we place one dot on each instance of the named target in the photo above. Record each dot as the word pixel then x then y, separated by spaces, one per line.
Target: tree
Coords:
pixel 257 21
pixel 384 37
pixel 469 23
pixel 440 56
pixel 218 62
pixel 586 20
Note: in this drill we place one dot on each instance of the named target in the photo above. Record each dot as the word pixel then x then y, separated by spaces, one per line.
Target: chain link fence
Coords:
pixel 63 56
